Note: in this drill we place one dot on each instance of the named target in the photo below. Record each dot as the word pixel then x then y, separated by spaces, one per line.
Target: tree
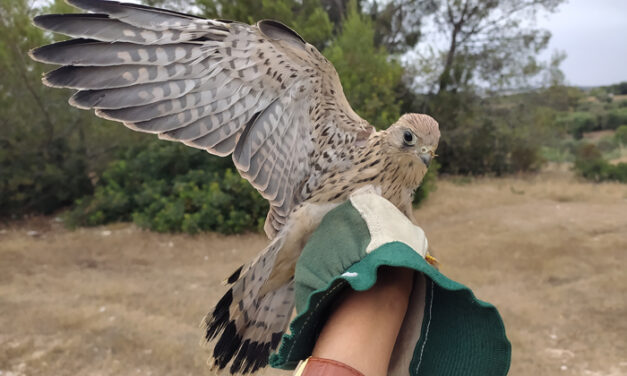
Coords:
pixel 399 23
pixel 476 49
pixel 47 148
pixel 369 76
pixel 307 17
pixel 491 44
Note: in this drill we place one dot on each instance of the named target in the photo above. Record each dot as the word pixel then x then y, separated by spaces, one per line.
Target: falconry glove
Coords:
pixel 446 330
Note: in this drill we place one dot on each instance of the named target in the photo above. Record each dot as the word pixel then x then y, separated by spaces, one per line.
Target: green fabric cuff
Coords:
pixel 447 330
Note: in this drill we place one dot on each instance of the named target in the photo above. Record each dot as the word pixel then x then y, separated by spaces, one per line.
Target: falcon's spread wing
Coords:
pixel 258 92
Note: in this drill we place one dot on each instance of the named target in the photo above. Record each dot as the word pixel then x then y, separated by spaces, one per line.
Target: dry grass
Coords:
pixel 548 251
pixel 598 135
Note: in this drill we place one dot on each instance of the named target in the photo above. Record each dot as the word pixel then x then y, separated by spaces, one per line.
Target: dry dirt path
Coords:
pixel 549 252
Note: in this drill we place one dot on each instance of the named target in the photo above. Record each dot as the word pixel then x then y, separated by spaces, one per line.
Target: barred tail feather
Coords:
pixel 245 327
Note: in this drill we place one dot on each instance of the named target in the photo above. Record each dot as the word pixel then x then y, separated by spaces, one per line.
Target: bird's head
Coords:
pixel 414 136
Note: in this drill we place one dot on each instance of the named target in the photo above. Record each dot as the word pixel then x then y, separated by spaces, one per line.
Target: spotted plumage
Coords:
pixel 261 94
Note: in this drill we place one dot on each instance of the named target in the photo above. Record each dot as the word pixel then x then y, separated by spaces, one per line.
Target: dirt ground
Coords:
pixel 547 250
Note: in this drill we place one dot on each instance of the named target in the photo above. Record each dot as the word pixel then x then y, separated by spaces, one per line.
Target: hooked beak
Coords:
pixel 426 158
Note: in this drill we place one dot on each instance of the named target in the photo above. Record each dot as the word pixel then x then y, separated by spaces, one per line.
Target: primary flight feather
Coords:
pixel 265 96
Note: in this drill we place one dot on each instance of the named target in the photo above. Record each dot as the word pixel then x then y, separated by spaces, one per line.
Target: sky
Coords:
pixel 593 33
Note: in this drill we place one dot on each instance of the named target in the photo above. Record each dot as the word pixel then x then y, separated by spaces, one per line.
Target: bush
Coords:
pixel 556 154
pixel 563 150
pixel 590 165
pixel 171 187
pixel 488 148
pixel 615 118
pixel 621 134
pixel 607 144
pixel 40 179
pixel 578 123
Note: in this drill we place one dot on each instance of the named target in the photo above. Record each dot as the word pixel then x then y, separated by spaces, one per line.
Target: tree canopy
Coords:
pixel 370 77
pixel 492 44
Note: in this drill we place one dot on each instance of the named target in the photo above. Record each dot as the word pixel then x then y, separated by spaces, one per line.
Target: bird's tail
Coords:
pixel 245 327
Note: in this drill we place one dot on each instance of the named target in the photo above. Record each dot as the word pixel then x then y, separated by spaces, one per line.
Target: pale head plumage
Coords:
pixel 414 137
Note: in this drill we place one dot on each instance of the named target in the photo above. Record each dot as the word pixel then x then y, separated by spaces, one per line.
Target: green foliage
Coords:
pixel 615 118
pixel 607 144
pixel 577 123
pixel 307 17
pixel 557 154
pixel 494 135
pixel 171 187
pixel 619 88
pixel 40 180
pixel 39 169
pixel 621 134
pixel 490 44
pixel 594 119
pixel 591 165
pixel 369 77
pixel 50 154
pixel 48 149
pixel 391 25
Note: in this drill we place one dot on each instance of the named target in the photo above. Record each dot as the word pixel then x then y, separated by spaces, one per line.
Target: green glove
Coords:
pixel 446 331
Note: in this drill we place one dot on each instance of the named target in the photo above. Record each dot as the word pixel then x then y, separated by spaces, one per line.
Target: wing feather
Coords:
pixel 260 93
pixel 146 17
pixel 106 29
pixel 88 52
pixel 123 75
pixel 133 96
pixel 218 87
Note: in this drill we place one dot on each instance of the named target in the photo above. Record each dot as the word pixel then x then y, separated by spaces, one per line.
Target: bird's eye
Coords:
pixel 409 138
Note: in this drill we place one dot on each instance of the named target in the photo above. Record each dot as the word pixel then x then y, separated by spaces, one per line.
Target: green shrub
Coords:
pixel 563 150
pixel 171 187
pixel 621 134
pixel 590 165
pixel 615 118
pixel 40 179
pixel 619 88
pixel 607 144
pixel 578 123
pixel 526 158
pixel 556 154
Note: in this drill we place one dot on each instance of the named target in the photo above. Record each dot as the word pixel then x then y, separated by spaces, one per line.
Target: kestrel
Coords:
pixel 265 96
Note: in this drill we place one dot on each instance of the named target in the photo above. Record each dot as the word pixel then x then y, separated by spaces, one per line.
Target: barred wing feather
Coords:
pixel 260 93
